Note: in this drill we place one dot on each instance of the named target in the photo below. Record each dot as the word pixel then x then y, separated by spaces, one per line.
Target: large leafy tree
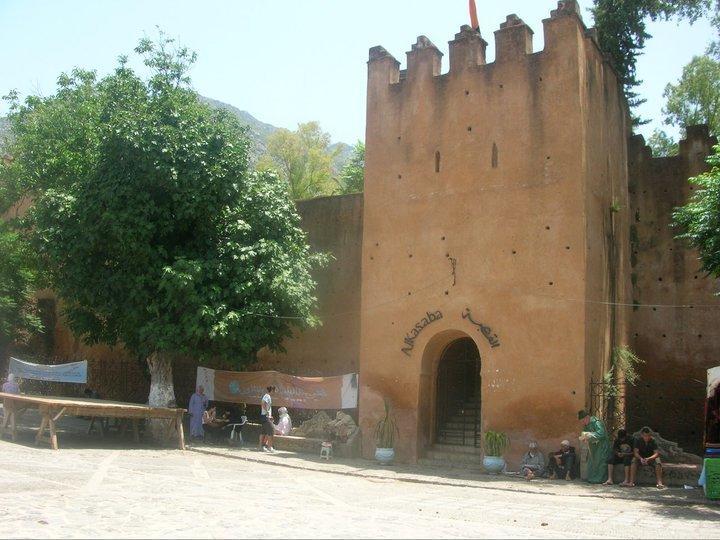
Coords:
pixel 622 31
pixel 352 176
pixel 662 144
pixel 700 218
pixel 303 159
pixel 154 230
pixel 18 278
pixel 695 98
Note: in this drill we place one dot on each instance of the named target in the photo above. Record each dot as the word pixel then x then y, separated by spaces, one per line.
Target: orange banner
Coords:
pixel 292 392
pixel 473 16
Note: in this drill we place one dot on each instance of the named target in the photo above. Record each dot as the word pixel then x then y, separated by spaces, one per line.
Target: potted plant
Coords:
pixel 496 443
pixel 385 432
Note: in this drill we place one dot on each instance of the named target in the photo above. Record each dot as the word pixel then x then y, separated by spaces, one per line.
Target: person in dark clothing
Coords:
pixel 622 454
pixel 562 462
pixel 646 454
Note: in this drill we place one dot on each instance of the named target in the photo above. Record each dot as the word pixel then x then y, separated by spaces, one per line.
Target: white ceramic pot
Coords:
pixel 494 464
pixel 385 456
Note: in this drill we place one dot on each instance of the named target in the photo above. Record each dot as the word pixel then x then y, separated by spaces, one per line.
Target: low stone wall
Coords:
pixel 674 474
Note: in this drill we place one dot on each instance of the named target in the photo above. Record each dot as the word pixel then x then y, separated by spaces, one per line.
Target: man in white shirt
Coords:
pixel 267 429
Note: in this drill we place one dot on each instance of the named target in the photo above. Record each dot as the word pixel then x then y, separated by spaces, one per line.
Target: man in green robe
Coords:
pixel 596 435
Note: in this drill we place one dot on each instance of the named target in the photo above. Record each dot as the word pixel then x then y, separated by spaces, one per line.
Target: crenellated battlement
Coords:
pixel 697 143
pixel 513 43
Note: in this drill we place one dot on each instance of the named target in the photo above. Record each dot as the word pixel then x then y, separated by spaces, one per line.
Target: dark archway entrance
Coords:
pixel 459 395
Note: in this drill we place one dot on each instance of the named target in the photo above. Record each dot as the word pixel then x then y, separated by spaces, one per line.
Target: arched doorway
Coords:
pixel 458 402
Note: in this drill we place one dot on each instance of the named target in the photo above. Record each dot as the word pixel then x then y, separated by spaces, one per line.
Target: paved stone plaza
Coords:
pixel 113 492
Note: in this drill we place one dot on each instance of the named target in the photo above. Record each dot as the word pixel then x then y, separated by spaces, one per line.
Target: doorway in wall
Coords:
pixel 459 395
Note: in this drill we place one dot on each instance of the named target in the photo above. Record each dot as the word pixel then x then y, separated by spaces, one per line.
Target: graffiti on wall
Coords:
pixel 412 335
pixel 485 330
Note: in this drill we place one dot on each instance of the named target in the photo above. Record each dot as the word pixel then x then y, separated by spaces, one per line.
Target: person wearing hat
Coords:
pixel 562 463
pixel 533 462
pixel 596 435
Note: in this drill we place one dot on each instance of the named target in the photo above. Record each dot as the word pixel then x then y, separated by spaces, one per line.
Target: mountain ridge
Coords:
pixel 258 132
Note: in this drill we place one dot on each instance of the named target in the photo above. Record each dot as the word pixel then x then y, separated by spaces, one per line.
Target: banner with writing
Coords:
pixel 293 392
pixel 75 372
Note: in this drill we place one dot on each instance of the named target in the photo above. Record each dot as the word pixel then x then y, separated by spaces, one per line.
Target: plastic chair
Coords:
pixel 236 431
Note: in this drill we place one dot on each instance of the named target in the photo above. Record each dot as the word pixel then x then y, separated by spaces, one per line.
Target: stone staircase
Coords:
pixel 462 428
pixel 447 456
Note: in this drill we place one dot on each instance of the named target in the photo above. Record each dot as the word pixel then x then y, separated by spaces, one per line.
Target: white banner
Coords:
pixel 75 372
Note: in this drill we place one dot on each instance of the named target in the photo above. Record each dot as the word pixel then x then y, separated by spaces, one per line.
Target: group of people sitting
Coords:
pixel 627 451
pixel 207 418
pixel 560 464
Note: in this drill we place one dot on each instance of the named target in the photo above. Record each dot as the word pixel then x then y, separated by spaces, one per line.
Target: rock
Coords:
pixel 315 428
pixel 321 426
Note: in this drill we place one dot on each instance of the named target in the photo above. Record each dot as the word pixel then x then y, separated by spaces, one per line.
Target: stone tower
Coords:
pixel 495 202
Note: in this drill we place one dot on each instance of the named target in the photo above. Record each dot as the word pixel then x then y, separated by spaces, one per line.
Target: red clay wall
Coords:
pixel 335 226
pixel 675 329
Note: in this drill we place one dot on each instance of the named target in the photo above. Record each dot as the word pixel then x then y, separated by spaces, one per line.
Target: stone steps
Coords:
pixel 445 455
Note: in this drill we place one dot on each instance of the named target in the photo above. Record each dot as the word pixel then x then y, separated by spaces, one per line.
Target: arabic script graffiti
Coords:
pixel 486 331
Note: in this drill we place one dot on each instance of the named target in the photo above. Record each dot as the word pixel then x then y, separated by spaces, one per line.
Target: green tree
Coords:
pixel 352 177
pixel 700 218
pixel 303 159
pixel 18 279
pixel 662 144
pixel 695 98
pixel 622 32
pixel 153 229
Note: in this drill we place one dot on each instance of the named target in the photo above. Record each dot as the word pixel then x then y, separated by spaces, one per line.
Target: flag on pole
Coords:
pixel 473 16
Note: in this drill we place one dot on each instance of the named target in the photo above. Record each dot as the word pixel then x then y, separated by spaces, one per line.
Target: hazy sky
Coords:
pixel 283 61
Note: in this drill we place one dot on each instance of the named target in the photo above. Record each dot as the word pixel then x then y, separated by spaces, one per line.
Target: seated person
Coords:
pixel 213 420
pixel 209 416
pixel 562 462
pixel 284 425
pixel 646 454
pixel 533 462
pixel 622 454
pixel 214 423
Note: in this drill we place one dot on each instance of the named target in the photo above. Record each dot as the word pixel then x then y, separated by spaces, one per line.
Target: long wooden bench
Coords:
pixel 53 408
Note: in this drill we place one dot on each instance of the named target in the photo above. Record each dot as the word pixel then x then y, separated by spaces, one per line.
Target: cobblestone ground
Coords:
pixel 113 492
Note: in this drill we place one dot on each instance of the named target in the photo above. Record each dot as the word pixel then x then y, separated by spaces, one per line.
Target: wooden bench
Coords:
pixel 53 408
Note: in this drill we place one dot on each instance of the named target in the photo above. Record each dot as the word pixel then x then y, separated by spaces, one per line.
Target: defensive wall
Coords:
pixel 676 320
pixel 333 226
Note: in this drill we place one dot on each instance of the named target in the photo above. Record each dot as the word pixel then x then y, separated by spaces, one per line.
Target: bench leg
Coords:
pixel 39 436
pixel 53 434
pixel 180 432
pixel 6 416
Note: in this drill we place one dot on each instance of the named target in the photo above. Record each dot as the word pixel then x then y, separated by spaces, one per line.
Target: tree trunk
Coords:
pixel 162 394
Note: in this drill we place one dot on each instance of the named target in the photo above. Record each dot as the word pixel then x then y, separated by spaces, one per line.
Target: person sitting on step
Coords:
pixel 622 454
pixel 533 462
pixel 646 454
pixel 561 464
